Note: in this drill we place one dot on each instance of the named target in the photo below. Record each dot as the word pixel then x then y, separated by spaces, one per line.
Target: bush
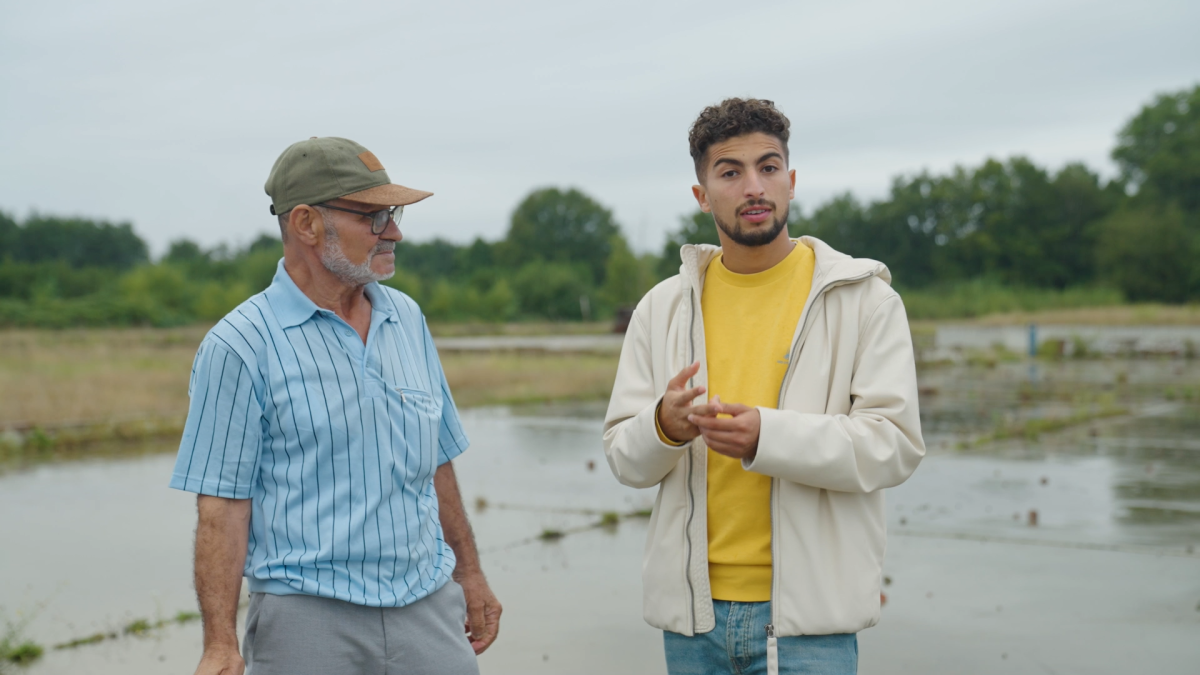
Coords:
pixel 551 290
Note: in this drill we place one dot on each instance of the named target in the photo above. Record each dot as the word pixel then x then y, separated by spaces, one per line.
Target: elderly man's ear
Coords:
pixel 306 225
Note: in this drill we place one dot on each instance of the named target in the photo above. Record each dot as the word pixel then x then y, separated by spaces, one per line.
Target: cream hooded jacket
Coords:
pixel 846 427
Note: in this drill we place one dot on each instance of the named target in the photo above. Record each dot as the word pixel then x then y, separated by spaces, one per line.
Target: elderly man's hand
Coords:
pixel 735 436
pixel 221 661
pixel 483 611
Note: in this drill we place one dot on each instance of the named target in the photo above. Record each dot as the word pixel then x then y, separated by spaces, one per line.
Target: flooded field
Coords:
pixel 1054 527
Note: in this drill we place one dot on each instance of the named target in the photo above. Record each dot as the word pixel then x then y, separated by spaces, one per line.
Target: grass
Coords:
pixel 524 328
pixel 495 378
pixel 53 378
pixel 68 392
pixel 90 380
pixel 1118 315
pixel 65 392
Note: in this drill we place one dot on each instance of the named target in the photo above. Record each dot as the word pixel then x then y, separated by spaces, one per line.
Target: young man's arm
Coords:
pixel 483 609
pixel 222 532
pixel 637 453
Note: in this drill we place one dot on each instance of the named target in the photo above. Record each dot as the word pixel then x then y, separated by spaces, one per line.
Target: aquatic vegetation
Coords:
pixel 15 648
pixel 551 535
pixel 22 654
pixel 610 519
pixel 135 628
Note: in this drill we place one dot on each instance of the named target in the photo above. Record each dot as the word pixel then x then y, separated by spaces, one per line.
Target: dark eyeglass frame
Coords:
pixel 379 219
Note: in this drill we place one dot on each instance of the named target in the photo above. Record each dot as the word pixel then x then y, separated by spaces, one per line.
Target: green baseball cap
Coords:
pixel 320 169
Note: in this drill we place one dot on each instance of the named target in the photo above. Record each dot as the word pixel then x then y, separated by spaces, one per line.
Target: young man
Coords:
pixel 319 440
pixel 766 544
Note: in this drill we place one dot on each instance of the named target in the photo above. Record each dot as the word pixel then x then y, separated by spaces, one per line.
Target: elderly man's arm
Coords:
pixel 483 609
pixel 222 532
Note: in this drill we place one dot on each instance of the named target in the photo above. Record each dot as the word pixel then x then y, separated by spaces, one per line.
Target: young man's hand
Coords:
pixel 677 405
pixel 735 436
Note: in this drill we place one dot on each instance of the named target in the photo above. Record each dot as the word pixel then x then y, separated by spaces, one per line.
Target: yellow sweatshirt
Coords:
pixel 749 321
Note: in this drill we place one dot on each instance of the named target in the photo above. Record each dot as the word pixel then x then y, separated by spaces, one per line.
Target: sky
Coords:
pixel 169 115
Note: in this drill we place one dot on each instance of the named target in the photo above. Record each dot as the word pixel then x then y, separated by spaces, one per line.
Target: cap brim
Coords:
pixel 388 195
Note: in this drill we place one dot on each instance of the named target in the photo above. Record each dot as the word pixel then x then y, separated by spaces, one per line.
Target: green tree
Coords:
pixel 8 236
pixel 79 242
pixel 559 226
pixel 1158 150
pixel 1149 253
pixel 184 251
pixel 479 255
pixel 626 277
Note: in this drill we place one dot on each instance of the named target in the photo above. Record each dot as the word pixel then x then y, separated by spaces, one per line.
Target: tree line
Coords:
pixel 1004 235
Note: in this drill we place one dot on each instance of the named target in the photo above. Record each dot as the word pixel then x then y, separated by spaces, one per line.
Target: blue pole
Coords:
pixel 1033 340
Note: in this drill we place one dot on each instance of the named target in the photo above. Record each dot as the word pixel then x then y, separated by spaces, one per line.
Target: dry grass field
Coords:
pixel 499 378
pixel 1124 315
pixel 54 378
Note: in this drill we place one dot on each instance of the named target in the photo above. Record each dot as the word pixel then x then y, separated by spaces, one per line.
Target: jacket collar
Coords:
pixel 831 267
pixel 292 307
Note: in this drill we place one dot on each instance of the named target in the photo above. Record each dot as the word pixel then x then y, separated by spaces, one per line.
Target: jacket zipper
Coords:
pixel 687 529
pixel 775 481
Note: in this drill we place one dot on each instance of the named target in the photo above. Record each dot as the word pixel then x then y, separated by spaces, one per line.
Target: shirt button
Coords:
pixel 349 333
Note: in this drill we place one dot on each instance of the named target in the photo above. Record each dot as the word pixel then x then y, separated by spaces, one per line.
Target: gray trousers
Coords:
pixel 308 635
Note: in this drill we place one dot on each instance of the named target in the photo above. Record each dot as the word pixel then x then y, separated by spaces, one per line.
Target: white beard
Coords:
pixel 347 272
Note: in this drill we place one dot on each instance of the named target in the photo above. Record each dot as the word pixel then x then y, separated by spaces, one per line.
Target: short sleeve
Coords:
pixel 222 438
pixel 452 440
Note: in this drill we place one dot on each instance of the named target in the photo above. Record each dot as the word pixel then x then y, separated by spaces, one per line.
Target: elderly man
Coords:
pixel 766 542
pixel 319 439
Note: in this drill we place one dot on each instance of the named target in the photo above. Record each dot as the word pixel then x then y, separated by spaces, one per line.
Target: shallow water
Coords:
pixel 1107 581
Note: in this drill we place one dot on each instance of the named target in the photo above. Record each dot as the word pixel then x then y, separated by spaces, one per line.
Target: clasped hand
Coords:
pixel 734 436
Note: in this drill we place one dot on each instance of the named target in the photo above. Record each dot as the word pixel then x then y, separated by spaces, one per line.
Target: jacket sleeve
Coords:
pixel 635 453
pixel 878 444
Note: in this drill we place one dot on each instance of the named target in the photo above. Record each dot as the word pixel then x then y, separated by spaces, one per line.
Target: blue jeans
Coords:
pixel 738 646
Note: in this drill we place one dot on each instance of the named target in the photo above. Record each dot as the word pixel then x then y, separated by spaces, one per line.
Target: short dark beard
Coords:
pixel 757 237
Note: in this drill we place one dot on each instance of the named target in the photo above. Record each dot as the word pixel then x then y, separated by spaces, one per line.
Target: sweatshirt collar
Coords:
pixel 830 266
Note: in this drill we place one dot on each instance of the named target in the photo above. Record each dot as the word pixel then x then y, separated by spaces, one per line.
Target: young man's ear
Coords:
pixel 701 196
pixel 306 224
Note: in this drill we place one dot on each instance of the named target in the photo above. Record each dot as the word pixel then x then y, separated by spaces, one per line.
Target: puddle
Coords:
pixel 89 546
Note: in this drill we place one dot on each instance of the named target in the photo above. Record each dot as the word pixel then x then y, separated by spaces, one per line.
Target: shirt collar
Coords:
pixel 292 307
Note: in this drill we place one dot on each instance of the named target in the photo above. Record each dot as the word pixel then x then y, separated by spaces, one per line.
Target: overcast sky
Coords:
pixel 170 114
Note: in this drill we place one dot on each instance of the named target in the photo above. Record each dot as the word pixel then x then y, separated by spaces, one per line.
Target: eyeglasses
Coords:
pixel 379 219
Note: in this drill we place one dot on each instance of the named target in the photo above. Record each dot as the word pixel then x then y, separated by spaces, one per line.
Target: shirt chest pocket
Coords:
pixel 417 406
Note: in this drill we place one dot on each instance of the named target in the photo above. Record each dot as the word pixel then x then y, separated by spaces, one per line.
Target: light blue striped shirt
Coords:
pixel 335 442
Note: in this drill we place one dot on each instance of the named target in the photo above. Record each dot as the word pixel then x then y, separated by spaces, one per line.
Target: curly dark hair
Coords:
pixel 731 118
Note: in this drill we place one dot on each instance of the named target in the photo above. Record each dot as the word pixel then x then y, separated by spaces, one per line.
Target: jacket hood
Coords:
pixel 831 266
